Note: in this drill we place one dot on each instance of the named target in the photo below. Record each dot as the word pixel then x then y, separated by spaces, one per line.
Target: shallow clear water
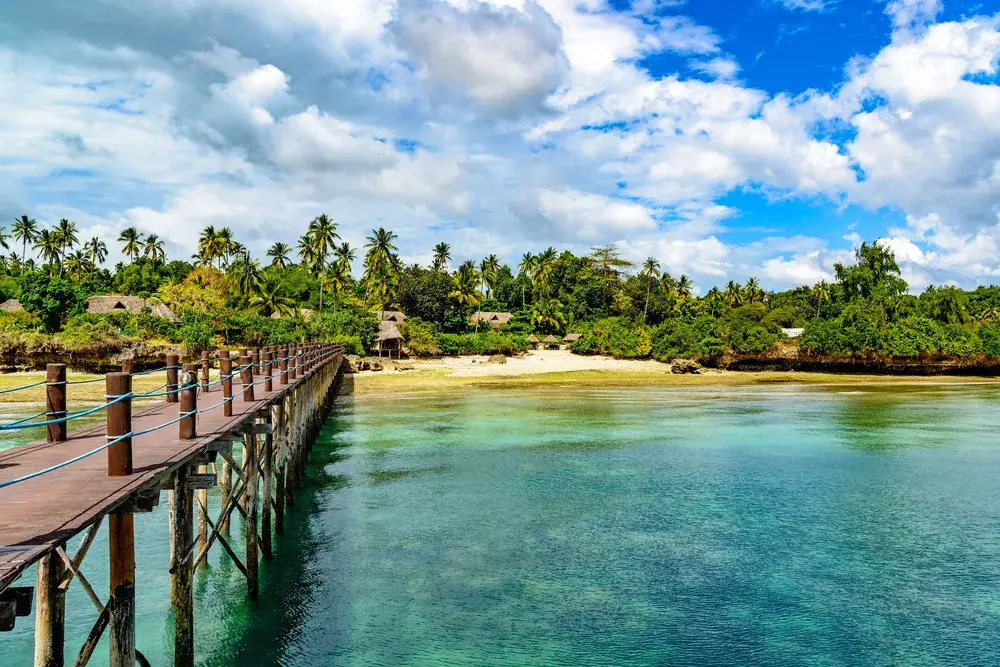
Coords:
pixel 753 526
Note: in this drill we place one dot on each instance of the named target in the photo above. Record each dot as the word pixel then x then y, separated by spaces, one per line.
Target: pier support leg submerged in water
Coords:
pixel 50 612
pixel 181 588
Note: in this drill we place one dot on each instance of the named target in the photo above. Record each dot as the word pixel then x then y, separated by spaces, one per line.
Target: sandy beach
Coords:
pixel 532 363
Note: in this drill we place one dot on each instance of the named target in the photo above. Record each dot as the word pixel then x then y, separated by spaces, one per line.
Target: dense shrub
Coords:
pixel 356 322
pixel 483 343
pixel 421 338
pixel 352 344
pixel 617 337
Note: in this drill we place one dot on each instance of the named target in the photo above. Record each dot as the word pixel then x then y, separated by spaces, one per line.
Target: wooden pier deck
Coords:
pixel 41 513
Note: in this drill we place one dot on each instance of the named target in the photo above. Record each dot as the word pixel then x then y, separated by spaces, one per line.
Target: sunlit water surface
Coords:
pixel 751 526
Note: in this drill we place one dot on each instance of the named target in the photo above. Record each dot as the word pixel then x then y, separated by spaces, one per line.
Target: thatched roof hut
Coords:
pixel 569 338
pixel 11 306
pixel 533 339
pixel 102 305
pixel 389 338
pixel 391 316
pixel 495 320
pixel 551 341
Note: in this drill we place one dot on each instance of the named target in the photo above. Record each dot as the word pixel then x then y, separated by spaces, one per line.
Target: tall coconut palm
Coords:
pixel 442 255
pixel 269 296
pixel 227 244
pixel 752 291
pixel 322 234
pixel 26 231
pixel 280 254
pixel 381 264
pixel 78 264
pixel 527 269
pixel 49 248
pixel 337 278
pixel 465 281
pixel 489 270
pixel 684 288
pixel 246 274
pixel 153 248
pixel 733 294
pixel 650 270
pixel 821 292
pixel 132 239
pixel 307 253
pixel 548 314
pixel 544 265
pixel 345 255
pixel 209 247
pixel 96 250
pixel 67 234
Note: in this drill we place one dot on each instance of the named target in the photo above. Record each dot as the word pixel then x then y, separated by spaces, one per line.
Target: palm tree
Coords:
pixel 209 248
pixel 752 291
pixel 526 268
pixel 651 270
pixel 733 294
pixel 26 231
pixel 79 263
pixel 226 243
pixel 269 296
pixel 544 265
pixel 50 248
pixel 466 281
pixel 66 231
pixel 96 250
pixel 683 288
pixel 132 239
pixel 442 255
pixel 338 277
pixel 381 265
pixel 153 248
pixel 246 274
pixel 280 255
pixel 821 292
pixel 321 235
pixel 548 314
pixel 307 252
pixel 345 255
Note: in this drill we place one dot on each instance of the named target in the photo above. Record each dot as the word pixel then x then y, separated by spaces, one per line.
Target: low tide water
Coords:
pixel 775 525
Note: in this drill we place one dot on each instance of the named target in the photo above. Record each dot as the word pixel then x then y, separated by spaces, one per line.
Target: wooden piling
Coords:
pixel 55 401
pixel 265 516
pixel 268 386
pixel 187 426
pixel 50 612
pixel 181 584
pixel 246 375
pixel 119 423
pixel 226 371
pixel 250 471
pixel 283 365
pixel 127 365
pixel 206 363
pixel 292 361
pixel 255 359
pixel 173 368
pixel 121 549
pixel 279 474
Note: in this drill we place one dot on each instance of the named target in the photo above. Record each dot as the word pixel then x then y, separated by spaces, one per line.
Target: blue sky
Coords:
pixel 727 139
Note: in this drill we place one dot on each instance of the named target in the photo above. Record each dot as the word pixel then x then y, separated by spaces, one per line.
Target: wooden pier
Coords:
pixel 182 443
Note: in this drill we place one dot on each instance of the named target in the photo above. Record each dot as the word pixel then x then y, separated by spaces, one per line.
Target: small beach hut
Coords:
pixel 391 316
pixel 536 343
pixel 389 339
pixel 102 305
pixel 551 343
pixel 571 338
pixel 11 306
pixel 494 320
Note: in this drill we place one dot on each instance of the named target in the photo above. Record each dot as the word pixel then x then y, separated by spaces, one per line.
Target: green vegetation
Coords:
pixel 227 297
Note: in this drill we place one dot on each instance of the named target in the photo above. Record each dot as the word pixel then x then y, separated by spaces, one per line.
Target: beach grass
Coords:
pixel 387 382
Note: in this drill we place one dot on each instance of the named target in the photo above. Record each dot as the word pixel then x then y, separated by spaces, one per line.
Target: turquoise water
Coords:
pixel 752 526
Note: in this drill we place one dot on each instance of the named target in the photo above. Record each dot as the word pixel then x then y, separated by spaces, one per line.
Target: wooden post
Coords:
pixel 255 359
pixel 279 474
pixel 119 423
pixel 50 612
pixel 127 365
pixel 173 365
pixel 203 517
pixel 246 375
pixel 226 489
pixel 283 365
pixel 268 386
pixel 292 361
pixel 55 401
pixel 187 426
pixel 121 549
pixel 226 370
pixel 181 585
pixel 250 470
pixel 265 517
pixel 206 363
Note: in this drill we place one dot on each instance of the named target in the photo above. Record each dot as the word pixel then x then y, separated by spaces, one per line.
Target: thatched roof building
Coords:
pixel 533 339
pixel 102 305
pixel 551 340
pixel 11 306
pixel 569 338
pixel 391 316
pixel 389 338
pixel 495 320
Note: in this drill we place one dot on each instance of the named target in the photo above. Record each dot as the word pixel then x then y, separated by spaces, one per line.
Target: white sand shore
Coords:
pixel 532 363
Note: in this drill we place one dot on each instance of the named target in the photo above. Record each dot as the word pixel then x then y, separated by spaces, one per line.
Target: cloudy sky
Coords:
pixel 727 138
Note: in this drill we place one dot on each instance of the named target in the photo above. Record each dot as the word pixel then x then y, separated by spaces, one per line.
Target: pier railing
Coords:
pixel 169 442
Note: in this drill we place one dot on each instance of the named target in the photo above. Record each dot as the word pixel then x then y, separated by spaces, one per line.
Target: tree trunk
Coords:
pixel 645 308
